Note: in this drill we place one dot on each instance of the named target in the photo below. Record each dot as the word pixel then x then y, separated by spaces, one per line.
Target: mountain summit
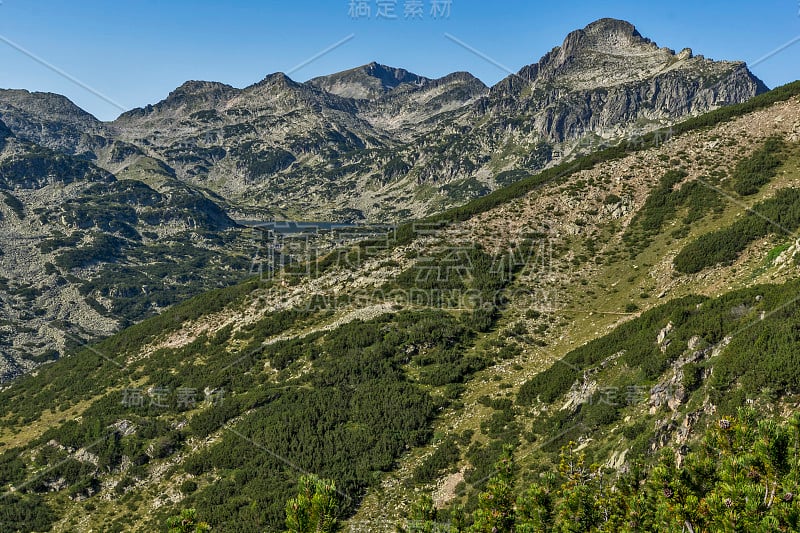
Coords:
pixel 610 34
pixel 359 144
pixel 607 76
pixel 605 313
pixel 612 52
pixel 367 81
pixel 373 143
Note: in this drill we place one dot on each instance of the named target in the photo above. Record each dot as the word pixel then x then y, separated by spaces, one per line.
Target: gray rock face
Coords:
pixel 381 143
pixel 105 223
pixel 84 252
pixel 367 82
pixel 50 120
pixel 608 76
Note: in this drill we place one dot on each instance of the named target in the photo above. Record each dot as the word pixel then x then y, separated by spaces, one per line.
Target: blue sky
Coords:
pixel 135 52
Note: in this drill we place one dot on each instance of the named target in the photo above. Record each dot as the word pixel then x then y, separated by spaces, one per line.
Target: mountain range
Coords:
pixel 608 311
pixel 109 222
pixel 379 143
pixel 591 271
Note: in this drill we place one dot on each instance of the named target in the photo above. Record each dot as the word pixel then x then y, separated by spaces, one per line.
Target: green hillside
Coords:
pixel 560 351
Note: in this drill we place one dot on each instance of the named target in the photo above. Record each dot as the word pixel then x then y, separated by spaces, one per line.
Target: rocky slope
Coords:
pixel 607 76
pixel 382 143
pixel 85 252
pixel 368 82
pixel 96 212
pixel 50 120
pixel 554 313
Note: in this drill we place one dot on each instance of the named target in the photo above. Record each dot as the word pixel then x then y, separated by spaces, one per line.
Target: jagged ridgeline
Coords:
pixel 416 145
pixel 107 223
pixel 544 314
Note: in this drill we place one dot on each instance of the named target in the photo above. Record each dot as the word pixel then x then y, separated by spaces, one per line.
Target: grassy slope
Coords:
pixel 40 402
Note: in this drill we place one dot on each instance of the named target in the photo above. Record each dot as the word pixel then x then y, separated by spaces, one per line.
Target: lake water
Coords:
pixel 290 227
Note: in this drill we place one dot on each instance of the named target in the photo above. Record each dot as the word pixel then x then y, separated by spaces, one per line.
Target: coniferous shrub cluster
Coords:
pixel 742 476
pixel 780 214
pixel 755 171
pixel 664 203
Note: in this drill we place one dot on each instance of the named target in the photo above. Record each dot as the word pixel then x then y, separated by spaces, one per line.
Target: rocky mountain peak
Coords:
pixel 607 37
pixel 609 53
pixel 283 88
pixel 195 87
pixel 459 76
pixel 196 92
pixel 367 81
pixel 42 103
pixel 47 118
pixel 191 96
pixel 382 129
pixel 277 79
pixel 391 77
pixel 610 34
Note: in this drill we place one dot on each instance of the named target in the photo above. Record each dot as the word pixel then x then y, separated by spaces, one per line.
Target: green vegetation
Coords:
pixel 315 509
pixel 662 206
pixel 751 173
pixel 742 477
pixel 262 162
pixel 101 364
pixel 296 395
pixel 367 392
pixel 776 252
pixel 130 250
pixel 508 177
pixel 726 334
pixel 13 202
pixel 708 321
pixel 355 398
pixel 354 412
pixel 168 272
pixel 463 190
pixel 446 454
pixel 25 513
pixel 395 168
pixel 780 214
pixel 103 248
pixel 635 339
pixel 480 205
pixel 187 522
pixel 39 166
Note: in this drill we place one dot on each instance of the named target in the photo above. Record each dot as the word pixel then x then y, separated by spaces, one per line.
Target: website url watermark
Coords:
pixel 165 397
pixel 397 10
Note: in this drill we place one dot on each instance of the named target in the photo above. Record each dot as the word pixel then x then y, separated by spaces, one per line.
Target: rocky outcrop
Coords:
pixel 367 82
pixel 85 252
pixel 607 76
pixel 91 211
pixel 50 120
pixel 373 142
